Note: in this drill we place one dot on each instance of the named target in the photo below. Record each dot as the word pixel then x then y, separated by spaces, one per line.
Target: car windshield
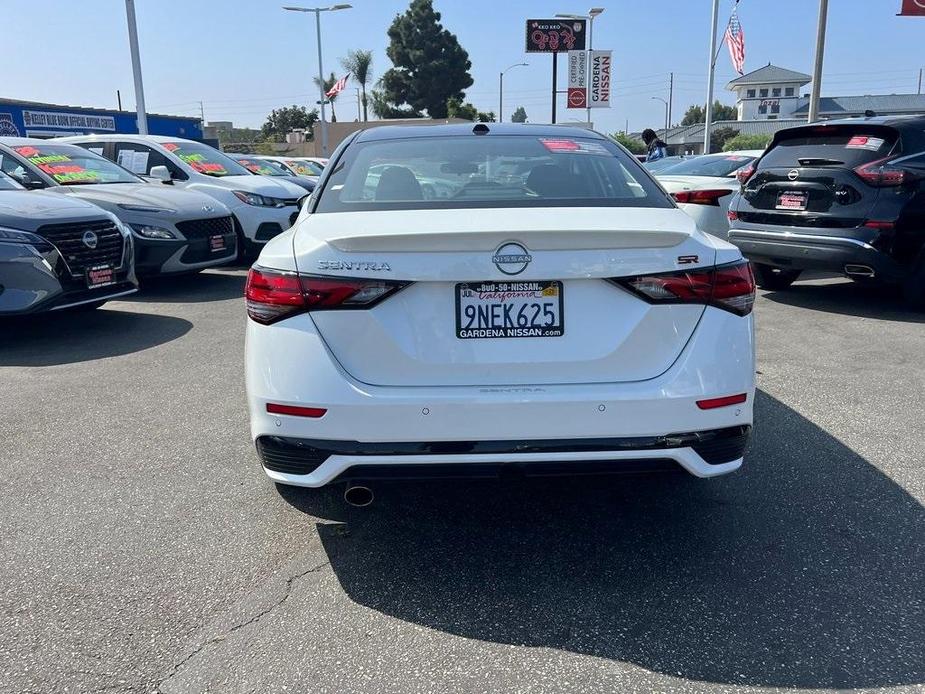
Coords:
pixel 446 172
pixel 205 160
pixel 717 165
pixel 314 168
pixel 261 167
pixel 300 167
pixel 7 183
pixel 663 163
pixel 69 165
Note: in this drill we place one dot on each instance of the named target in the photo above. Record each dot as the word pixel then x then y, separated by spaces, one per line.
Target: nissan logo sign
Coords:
pixel 90 239
pixel 511 258
pixel 793 174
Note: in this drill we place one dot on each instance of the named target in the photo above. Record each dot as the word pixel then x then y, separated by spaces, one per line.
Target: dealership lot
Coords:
pixel 144 550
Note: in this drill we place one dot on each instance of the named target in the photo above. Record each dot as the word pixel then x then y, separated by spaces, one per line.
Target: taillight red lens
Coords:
pixel 273 295
pixel 880 174
pixel 701 197
pixel 745 173
pixel 729 287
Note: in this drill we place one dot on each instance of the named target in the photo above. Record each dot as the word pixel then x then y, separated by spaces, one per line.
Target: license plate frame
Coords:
pixel 534 299
pixel 793 200
pixel 98 276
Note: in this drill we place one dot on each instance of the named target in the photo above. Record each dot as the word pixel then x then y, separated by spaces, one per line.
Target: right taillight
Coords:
pixel 880 174
pixel 730 287
pixel 272 295
pixel 745 173
pixel 701 197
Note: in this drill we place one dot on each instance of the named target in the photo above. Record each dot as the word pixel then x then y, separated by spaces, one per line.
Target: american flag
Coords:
pixel 734 38
pixel 338 87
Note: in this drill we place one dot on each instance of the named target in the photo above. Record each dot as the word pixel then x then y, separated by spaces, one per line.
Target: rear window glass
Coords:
pixel 486 171
pixel 849 146
pixel 716 165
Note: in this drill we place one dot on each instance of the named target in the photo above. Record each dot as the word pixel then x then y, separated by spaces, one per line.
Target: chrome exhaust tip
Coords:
pixel 358 495
pixel 859 271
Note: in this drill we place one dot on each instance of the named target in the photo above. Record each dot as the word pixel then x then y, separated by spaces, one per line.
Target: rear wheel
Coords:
pixel 774 278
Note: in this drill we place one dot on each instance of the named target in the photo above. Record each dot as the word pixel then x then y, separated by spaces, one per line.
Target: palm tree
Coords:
pixel 328 83
pixel 359 64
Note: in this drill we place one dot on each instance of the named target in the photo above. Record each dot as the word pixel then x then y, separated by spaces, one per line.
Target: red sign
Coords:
pixel 912 8
pixel 576 97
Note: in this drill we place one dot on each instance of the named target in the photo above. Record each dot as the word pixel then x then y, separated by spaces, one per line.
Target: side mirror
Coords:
pixel 32 183
pixel 161 173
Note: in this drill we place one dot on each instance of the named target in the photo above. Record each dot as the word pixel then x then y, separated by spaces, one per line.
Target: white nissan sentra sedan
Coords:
pixel 555 311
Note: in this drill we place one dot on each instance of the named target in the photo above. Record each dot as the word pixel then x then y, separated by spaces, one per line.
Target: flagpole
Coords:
pixel 709 111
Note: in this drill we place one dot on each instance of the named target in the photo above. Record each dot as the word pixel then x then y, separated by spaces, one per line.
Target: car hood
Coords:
pixel 262 185
pixel 675 183
pixel 156 196
pixel 28 210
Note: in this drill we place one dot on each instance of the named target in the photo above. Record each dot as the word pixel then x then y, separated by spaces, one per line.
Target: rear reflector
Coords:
pixel 272 295
pixel 292 410
pixel 701 197
pixel 878 224
pixel 725 401
pixel 729 287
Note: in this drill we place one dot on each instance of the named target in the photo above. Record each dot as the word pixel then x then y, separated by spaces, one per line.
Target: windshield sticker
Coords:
pixel 735 158
pixel 136 162
pixel 199 163
pixel 256 167
pixel 59 166
pixel 562 146
pixel 171 146
pixel 864 142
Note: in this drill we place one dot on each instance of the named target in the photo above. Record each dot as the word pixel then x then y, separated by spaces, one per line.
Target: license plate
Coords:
pixel 509 309
pixel 100 276
pixel 216 243
pixel 792 200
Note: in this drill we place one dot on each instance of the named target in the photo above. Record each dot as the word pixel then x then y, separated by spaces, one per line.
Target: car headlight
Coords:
pixel 258 200
pixel 8 235
pixel 149 231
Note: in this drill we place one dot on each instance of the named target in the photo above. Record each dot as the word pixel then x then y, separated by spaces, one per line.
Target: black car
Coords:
pixel 844 196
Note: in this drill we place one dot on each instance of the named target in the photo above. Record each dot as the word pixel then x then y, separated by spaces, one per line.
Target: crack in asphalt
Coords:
pixel 237 627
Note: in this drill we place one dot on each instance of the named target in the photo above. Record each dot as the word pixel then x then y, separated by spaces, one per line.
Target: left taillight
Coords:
pixel 729 287
pixel 701 197
pixel 272 295
pixel 745 173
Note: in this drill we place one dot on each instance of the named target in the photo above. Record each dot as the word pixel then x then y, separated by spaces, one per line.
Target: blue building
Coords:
pixel 31 119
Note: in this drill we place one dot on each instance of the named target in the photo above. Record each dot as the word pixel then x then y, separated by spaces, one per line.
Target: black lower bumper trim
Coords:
pixel 296 456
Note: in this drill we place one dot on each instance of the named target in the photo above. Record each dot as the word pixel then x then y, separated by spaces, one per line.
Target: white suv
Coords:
pixel 262 207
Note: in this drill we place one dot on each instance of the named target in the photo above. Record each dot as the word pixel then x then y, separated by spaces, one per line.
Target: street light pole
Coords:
pixel 501 89
pixel 136 67
pixel 709 112
pixel 318 11
pixel 817 67
pixel 658 98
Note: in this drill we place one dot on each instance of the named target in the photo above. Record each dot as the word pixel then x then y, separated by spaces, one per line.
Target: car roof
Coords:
pixel 396 132
pixel 17 141
pixel 128 137
pixel 915 121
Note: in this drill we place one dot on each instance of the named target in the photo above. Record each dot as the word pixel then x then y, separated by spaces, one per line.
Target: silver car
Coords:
pixel 174 230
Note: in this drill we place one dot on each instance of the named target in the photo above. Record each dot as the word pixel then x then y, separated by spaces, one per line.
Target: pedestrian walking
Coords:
pixel 656 149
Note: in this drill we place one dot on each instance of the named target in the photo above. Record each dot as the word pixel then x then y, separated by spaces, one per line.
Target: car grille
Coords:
pixel 69 240
pixel 204 228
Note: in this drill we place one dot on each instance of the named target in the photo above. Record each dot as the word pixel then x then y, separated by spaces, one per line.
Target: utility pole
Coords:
pixel 670 99
pixel 920 82
pixel 202 114
pixel 119 95
pixel 711 65
pixel 136 67
pixel 817 67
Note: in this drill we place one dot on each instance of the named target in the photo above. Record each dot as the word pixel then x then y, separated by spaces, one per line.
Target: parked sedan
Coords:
pixel 843 196
pixel 267 167
pixel 703 186
pixel 175 231
pixel 570 321
pixel 59 252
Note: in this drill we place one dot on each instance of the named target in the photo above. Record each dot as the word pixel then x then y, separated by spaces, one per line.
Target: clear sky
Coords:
pixel 244 57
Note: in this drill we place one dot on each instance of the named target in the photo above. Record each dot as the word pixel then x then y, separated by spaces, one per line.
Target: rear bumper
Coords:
pixel 288 363
pixel 307 462
pixel 801 249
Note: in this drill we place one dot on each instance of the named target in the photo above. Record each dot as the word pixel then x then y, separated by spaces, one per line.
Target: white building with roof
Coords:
pixel 768 93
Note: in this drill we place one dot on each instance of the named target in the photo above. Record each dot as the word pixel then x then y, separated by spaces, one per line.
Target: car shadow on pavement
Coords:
pixel 69 337
pixel 212 285
pixel 803 569
pixel 850 299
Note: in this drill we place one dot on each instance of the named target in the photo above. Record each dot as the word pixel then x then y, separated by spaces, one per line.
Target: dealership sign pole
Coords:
pixel 136 67
pixel 556 36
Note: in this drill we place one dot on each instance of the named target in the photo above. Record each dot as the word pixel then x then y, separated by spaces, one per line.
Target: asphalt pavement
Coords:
pixel 143 550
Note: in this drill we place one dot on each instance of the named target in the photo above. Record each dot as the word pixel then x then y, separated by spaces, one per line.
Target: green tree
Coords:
pixel 326 86
pixel 631 143
pixel 455 108
pixel 519 115
pixel 698 114
pixel 382 108
pixel 486 117
pixel 282 121
pixel 720 136
pixel 359 65
pixel 746 142
pixel 430 65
